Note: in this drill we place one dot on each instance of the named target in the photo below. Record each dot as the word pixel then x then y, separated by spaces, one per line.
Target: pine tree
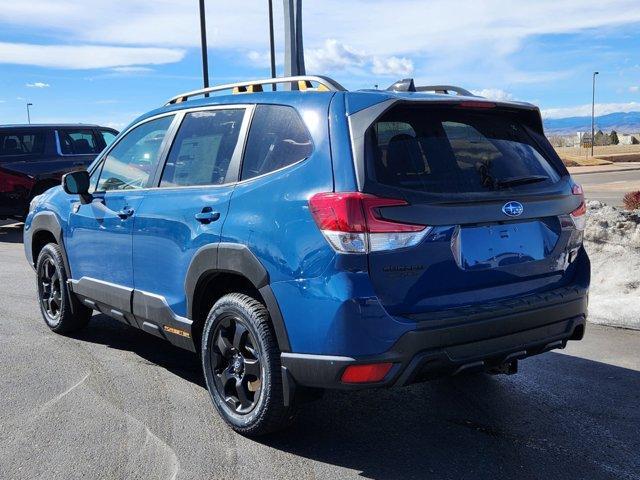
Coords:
pixel 614 137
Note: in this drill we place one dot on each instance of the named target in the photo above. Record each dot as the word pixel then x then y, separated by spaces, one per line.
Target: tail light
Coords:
pixel 351 222
pixel 579 215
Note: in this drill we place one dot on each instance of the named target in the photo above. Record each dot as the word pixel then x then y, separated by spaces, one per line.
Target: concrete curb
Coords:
pixel 573 172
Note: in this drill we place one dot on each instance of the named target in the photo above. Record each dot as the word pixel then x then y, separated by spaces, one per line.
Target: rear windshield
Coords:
pixel 449 150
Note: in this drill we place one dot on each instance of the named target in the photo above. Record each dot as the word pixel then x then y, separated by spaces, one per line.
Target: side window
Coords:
pixel 108 136
pixel 202 150
pixel 21 143
pixel 277 138
pixel 78 142
pixel 131 161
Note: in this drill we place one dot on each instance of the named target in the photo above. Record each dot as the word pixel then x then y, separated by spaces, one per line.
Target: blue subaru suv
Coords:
pixel 316 238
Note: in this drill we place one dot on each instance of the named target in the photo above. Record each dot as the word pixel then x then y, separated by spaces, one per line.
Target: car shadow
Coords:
pixel 559 417
pixel 113 334
pixel 11 232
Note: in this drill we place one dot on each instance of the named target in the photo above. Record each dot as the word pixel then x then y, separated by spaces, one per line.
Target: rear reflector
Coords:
pixel 368 373
pixel 352 223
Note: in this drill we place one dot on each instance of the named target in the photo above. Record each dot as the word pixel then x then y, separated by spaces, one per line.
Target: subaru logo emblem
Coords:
pixel 513 209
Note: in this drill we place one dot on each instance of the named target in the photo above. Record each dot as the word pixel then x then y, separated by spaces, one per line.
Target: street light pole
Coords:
pixel 272 47
pixel 593 111
pixel 203 42
pixel 28 114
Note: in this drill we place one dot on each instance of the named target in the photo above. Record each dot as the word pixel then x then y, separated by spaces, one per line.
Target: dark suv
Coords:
pixel 33 158
pixel 321 238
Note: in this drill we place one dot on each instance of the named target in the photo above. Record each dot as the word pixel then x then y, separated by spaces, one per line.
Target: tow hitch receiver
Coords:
pixel 507 368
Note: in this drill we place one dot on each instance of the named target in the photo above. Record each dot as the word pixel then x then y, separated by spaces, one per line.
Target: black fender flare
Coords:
pixel 238 259
pixel 46 221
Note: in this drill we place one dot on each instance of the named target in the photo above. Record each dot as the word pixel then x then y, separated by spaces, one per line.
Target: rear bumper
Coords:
pixel 426 353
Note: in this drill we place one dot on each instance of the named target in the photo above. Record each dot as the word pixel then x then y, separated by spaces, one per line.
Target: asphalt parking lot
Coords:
pixel 609 187
pixel 116 403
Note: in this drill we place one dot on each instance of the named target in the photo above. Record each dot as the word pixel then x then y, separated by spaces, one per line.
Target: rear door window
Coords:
pixel 277 138
pixel 21 143
pixel 78 142
pixel 203 148
pixel 440 150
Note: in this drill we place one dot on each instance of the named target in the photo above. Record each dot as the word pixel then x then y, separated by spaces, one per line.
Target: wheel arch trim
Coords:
pixel 237 259
pixel 48 222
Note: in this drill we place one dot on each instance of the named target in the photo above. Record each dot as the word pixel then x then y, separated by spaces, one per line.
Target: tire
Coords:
pixel 249 397
pixel 60 309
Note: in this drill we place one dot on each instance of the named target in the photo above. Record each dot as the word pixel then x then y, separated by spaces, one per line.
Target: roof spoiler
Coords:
pixel 408 85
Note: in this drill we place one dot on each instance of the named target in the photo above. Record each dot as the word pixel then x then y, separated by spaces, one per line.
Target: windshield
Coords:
pixel 451 150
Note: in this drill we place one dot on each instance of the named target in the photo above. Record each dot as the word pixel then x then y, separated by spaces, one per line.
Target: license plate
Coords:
pixel 494 246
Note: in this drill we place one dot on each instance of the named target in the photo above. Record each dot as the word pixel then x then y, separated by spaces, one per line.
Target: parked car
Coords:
pixel 33 158
pixel 320 238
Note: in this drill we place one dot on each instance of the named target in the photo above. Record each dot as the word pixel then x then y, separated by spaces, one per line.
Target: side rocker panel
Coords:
pixel 156 317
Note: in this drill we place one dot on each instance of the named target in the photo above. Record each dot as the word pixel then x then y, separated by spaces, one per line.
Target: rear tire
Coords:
pixel 60 309
pixel 241 363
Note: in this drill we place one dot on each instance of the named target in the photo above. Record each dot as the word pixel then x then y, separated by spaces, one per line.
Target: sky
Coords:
pixel 106 62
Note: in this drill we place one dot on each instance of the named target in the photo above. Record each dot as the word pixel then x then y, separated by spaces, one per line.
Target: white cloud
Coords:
pixel 263 59
pixel 336 56
pixel 37 85
pixel 85 56
pixel 494 94
pixel 392 66
pixel 392 33
pixel 133 69
pixel 389 27
pixel 634 89
pixel 585 110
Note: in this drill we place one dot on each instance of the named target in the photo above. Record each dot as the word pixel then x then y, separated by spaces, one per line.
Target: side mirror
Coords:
pixel 77 183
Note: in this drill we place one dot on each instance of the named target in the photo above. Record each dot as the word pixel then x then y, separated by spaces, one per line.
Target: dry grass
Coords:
pixel 583 162
pixel 575 156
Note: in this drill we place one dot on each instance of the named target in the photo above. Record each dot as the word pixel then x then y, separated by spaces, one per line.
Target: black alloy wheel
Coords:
pixel 241 366
pixel 60 308
pixel 50 291
pixel 236 365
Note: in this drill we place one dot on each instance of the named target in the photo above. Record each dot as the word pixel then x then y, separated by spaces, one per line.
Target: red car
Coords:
pixel 33 158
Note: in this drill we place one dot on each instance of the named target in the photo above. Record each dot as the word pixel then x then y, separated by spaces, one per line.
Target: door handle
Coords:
pixel 125 213
pixel 207 215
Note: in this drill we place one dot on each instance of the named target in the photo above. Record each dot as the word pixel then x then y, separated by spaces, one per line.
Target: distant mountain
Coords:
pixel 621 122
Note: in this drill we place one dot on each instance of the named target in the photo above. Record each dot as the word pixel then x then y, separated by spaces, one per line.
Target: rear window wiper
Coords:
pixel 513 181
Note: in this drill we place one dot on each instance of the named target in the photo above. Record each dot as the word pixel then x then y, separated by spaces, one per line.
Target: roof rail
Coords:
pixel 304 82
pixel 407 85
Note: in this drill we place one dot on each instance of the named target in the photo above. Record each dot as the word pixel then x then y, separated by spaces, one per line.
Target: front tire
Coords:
pixel 241 363
pixel 60 309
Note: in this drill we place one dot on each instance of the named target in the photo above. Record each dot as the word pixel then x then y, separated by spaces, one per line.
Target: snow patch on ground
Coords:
pixel 612 239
